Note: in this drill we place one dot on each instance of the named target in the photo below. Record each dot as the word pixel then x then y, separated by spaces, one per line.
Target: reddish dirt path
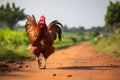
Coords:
pixel 79 62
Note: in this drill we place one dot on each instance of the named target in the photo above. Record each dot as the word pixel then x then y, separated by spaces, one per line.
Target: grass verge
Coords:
pixel 109 45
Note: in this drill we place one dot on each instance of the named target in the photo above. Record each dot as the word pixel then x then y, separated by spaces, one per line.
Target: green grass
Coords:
pixel 12 37
pixel 69 39
pixel 13 45
pixel 109 45
pixel 14 53
pixel 63 43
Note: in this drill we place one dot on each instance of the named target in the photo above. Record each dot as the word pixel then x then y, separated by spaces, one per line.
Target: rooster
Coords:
pixel 42 37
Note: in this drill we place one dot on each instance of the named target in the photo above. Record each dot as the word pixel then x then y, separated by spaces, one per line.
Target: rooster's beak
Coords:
pixel 42 22
pixel 41 26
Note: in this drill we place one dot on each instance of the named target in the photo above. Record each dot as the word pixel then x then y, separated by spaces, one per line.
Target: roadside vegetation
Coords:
pixel 13 45
pixel 109 40
pixel 109 45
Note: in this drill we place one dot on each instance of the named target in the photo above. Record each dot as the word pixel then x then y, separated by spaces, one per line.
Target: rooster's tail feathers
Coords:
pixel 55 28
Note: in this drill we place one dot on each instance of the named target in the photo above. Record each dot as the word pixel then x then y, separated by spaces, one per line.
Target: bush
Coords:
pixel 13 45
pixel 13 37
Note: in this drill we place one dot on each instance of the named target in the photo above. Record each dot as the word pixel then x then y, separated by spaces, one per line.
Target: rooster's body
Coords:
pixel 42 36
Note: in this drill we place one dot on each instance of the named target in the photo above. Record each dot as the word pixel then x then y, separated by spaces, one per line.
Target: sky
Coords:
pixel 73 13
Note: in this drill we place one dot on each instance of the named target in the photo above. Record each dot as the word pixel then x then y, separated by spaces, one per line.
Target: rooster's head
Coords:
pixel 41 22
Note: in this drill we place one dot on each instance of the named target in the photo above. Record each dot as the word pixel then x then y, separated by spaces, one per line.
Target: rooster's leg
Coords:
pixel 35 57
pixel 45 63
pixel 39 63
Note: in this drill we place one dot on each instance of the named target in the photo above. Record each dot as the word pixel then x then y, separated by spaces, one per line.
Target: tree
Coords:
pixel 65 28
pixel 81 30
pixel 112 17
pixel 94 32
pixel 73 29
pixel 11 15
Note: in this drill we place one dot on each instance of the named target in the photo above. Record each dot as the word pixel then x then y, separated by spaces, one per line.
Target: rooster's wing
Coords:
pixel 32 30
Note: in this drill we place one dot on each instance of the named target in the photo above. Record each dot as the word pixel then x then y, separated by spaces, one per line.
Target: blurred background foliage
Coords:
pixel 10 15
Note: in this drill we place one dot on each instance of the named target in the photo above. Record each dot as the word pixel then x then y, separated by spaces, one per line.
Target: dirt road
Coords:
pixel 79 62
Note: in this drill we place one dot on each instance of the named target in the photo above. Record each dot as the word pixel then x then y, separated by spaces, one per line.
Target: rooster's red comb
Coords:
pixel 42 18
